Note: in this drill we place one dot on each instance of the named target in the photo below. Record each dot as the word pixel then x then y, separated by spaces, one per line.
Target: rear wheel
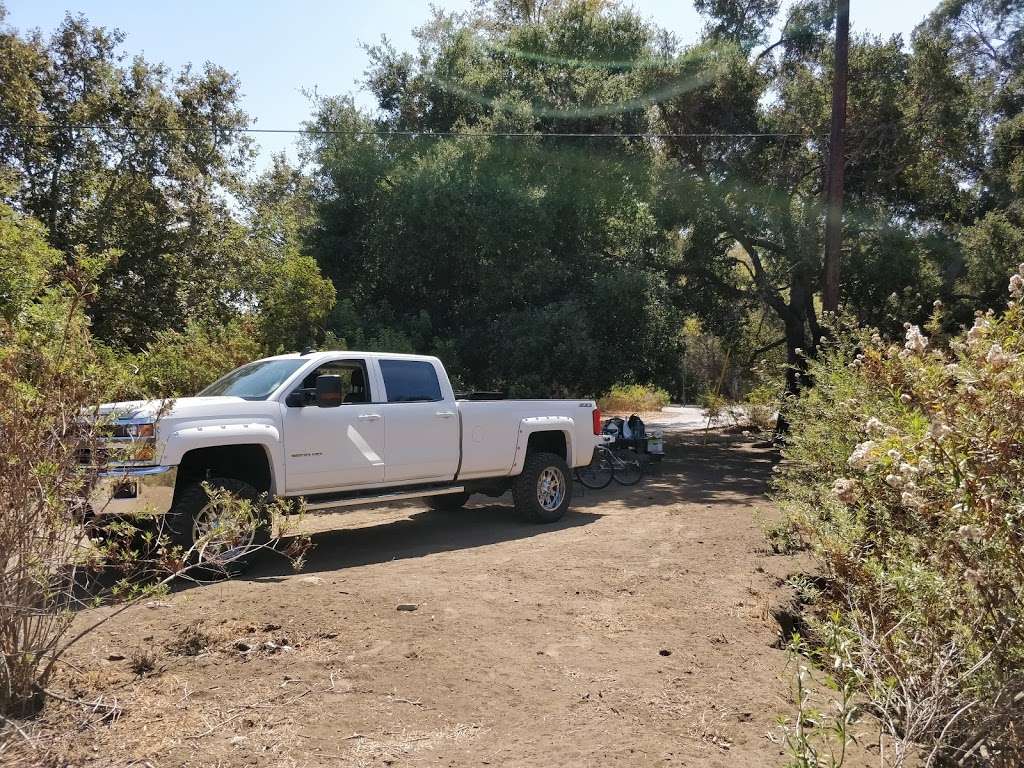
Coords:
pixel 543 492
pixel 219 538
pixel 598 473
pixel 448 502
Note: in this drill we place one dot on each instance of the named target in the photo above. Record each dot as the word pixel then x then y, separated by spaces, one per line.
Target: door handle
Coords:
pixel 368 416
pixel 444 414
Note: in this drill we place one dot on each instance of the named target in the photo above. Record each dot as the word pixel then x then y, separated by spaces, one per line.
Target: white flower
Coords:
pixel 905 398
pixel 845 490
pixel 916 342
pixel 939 430
pixel 874 426
pixel 911 501
pixel 969 533
pixel 893 454
pixel 1016 286
pixel 908 470
pixel 978 330
pixel 894 481
pixel 999 359
pixel 925 465
pixel 876 339
pixel 861 457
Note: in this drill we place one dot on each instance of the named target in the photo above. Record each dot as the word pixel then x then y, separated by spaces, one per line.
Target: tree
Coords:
pixel 118 155
pixel 290 297
pixel 743 23
pixel 984 44
pixel 759 183
pixel 531 262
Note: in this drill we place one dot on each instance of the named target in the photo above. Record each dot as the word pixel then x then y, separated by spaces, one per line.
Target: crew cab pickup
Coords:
pixel 337 429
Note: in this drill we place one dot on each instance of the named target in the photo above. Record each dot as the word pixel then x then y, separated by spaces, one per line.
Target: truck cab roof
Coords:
pixel 335 353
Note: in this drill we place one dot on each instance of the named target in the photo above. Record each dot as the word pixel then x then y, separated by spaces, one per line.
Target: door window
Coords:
pixel 354 386
pixel 410 381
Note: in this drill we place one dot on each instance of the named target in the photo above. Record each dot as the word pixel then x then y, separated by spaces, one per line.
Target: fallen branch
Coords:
pixel 110 711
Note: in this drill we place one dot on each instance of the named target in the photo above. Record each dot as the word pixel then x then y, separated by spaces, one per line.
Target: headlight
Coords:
pixel 133 431
pixel 127 443
pixel 139 431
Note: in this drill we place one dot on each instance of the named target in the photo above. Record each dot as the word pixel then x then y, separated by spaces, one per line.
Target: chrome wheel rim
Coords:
pixel 221 541
pixel 550 489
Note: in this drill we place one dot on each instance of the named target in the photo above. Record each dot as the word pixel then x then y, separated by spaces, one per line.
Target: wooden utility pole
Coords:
pixel 834 175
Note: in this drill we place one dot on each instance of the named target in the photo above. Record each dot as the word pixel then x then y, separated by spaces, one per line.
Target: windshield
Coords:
pixel 254 381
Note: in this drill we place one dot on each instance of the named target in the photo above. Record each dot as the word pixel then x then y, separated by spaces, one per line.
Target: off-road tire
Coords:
pixel 526 488
pixel 449 502
pixel 178 525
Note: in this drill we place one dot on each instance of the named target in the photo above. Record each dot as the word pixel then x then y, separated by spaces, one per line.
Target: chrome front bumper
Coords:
pixel 133 491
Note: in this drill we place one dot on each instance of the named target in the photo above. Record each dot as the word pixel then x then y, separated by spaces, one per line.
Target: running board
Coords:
pixel 348 500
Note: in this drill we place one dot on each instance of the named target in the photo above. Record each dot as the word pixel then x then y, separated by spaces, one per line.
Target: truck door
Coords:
pixel 333 447
pixel 421 423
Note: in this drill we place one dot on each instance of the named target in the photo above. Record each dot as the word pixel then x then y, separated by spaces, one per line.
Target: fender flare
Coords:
pixel 533 424
pixel 186 439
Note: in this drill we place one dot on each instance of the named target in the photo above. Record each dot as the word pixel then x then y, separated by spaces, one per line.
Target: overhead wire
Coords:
pixel 416 134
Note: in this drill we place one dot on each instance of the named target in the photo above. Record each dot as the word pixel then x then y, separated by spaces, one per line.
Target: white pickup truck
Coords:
pixel 338 429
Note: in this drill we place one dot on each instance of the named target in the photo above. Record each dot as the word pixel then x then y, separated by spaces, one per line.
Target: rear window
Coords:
pixel 410 381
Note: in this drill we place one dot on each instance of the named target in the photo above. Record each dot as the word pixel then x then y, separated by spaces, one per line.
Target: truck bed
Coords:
pixel 490 426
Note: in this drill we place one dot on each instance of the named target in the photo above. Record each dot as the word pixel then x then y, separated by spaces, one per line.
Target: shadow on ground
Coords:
pixel 693 472
pixel 424 532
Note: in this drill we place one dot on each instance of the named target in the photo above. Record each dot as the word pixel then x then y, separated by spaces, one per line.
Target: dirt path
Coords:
pixel 635 632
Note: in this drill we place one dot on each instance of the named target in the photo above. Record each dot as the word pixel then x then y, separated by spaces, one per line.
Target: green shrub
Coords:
pixel 633 398
pixel 905 473
pixel 761 406
pixel 180 363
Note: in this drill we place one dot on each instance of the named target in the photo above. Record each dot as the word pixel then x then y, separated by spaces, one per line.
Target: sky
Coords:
pixel 280 49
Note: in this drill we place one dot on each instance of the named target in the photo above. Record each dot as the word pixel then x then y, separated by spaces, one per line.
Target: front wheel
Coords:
pixel 543 491
pixel 628 469
pixel 220 537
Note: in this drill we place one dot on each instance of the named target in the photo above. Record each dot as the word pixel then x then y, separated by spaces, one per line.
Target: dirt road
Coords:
pixel 635 632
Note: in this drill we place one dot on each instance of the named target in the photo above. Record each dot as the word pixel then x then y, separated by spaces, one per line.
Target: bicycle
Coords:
pixel 622 466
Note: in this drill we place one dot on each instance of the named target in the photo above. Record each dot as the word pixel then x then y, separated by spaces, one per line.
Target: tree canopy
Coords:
pixel 126 157
pixel 548 194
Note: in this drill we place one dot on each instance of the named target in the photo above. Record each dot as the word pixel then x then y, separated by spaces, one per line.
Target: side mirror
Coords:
pixel 296 400
pixel 328 391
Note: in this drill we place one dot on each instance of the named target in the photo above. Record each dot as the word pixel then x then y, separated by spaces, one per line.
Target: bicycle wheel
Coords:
pixel 598 473
pixel 627 468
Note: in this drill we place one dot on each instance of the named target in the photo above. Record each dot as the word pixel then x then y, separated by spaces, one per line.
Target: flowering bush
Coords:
pixel 905 474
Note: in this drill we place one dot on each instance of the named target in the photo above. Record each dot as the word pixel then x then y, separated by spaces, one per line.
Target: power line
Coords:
pixel 414 134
